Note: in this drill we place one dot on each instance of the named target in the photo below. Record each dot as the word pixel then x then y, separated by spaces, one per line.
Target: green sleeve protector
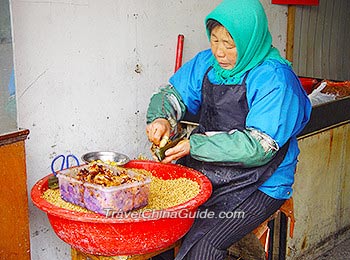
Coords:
pixel 250 147
pixel 167 103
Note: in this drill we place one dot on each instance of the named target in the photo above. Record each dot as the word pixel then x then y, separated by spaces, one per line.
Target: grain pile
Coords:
pixel 54 197
pixel 169 193
pixel 163 194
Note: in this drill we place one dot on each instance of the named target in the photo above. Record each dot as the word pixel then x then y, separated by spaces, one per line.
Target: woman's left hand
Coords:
pixel 180 150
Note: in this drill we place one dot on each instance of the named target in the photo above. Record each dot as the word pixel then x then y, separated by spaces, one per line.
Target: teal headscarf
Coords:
pixel 247 23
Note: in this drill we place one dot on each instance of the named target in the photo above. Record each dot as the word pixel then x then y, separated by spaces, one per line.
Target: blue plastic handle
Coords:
pixel 65 160
pixel 71 156
pixel 54 161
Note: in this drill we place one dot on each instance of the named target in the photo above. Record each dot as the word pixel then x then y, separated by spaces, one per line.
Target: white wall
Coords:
pixel 77 89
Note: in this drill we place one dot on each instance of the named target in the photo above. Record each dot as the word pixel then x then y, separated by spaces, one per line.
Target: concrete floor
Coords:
pixel 249 248
pixel 340 252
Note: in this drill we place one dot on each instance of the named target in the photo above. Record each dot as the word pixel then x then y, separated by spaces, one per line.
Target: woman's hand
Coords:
pixel 157 130
pixel 180 150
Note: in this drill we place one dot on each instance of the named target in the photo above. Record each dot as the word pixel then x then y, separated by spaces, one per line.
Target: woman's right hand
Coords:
pixel 157 130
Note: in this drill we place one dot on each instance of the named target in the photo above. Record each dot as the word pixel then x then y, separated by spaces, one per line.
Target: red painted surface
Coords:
pixel 296 2
pixel 179 51
pixel 99 235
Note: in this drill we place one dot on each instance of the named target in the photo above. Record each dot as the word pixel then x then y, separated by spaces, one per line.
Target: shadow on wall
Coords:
pixel 10 107
pixel 8 111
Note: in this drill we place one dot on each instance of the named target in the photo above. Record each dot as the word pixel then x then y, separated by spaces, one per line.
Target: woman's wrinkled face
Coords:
pixel 223 47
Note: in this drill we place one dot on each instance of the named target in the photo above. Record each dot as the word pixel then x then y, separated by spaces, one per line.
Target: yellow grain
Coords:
pixel 169 193
pixel 54 197
pixel 163 194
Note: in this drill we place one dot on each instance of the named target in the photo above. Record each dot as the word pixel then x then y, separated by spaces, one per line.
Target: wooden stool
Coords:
pixel 263 232
pixel 78 255
pixel 263 243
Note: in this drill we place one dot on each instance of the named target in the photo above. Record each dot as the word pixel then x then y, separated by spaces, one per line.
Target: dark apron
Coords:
pixel 224 107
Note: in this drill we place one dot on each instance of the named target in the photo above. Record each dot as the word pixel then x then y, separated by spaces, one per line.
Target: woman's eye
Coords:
pixel 229 46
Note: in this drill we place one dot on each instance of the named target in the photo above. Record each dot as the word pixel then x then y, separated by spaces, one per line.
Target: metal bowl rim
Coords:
pixel 122 158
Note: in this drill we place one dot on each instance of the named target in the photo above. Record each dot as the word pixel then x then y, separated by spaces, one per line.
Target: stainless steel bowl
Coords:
pixel 118 158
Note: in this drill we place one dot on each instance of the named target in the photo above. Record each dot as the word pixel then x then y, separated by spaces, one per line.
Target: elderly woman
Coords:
pixel 251 107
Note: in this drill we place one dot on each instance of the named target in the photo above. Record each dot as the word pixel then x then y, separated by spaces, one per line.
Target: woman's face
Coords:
pixel 223 47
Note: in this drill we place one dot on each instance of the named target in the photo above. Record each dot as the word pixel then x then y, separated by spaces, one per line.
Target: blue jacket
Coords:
pixel 278 106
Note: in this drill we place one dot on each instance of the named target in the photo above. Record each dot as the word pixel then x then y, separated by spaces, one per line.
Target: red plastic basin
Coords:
pixel 308 84
pixel 136 234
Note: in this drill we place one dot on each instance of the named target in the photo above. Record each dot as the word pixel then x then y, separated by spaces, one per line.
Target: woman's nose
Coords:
pixel 219 52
